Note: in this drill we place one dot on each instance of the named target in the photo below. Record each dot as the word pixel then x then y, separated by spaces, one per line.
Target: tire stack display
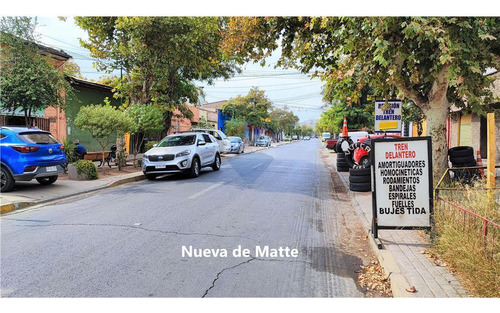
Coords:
pixel 342 165
pixel 463 156
pixel 342 162
pixel 360 179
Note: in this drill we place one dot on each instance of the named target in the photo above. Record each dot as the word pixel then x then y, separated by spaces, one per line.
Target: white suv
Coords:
pixel 222 140
pixel 182 153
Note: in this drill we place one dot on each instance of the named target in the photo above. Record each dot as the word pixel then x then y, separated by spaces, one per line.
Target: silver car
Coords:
pixel 182 153
pixel 222 140
pixel 263 141
pixel 237 145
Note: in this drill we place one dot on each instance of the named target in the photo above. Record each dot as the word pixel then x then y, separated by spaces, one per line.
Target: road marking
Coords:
pixel 204 191
pixel 256 166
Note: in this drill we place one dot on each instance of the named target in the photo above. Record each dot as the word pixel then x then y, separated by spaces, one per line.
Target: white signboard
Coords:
pixel 402 171
pixel 389 119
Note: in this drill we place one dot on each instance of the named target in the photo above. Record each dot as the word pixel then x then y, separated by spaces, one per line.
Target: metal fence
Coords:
pixel 474 209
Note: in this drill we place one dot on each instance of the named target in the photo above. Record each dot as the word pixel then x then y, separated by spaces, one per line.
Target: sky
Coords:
pixel 299 92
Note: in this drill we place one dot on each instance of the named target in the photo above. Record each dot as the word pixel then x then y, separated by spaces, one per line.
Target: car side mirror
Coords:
pixel 155 145
pixel 201 143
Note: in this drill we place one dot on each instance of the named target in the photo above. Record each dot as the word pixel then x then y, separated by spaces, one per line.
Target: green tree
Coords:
pixel 282 120
pixel 28 81
pixel 147 121
pixel 161 57
pixel 102 121
pixel 434 61
pixel 235 127
pixel 202 123
pixel 252 108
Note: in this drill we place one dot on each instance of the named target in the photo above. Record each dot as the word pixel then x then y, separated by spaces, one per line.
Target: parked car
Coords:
pixel 331 143
pixel 237 145
pixel 295 137
pixel 182 153
pixel 361 153
pixel 222 140
pixel 263 141
pixel 325 136
pixel 29 153
pixel 307 138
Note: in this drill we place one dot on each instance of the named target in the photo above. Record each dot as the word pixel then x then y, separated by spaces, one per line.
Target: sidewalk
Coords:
pixel 402 253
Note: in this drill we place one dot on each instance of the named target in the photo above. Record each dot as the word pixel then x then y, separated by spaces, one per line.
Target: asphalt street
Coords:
pixel 127 241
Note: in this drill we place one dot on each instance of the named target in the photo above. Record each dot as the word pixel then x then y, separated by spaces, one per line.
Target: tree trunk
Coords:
pixel 120 154
pixel 436 115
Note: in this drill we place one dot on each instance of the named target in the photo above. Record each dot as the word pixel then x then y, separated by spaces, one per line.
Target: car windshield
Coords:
pixel 38 138
pixel 181 140
pixel 262 138
pixel 234 140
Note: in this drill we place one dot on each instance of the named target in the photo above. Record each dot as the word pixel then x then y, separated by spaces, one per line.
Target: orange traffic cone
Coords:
pixel 344 129
pixel 479 162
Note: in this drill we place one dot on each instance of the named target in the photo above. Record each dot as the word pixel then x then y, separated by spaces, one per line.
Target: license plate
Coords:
pixel 159 166
pixel 51 168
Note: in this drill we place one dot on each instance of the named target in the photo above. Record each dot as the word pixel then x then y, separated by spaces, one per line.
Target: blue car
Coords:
pixel 28 153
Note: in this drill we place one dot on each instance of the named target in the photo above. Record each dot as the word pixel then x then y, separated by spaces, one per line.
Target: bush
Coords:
pixel 69 150
pixel 86 167
pixel 150 144
pixel 459 241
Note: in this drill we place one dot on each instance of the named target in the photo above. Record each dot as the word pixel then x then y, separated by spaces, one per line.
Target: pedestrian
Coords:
pixel 79 150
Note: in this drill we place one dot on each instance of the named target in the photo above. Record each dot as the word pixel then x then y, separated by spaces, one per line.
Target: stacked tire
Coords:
pixel 342 165
pixel 360 179
pixel 463 156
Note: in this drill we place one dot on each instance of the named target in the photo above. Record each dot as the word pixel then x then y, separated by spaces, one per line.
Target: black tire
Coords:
pixel 341 156
pixel 360 179
pixel 342 169
pixel 360 172
pixel 47 180
pixel 195 168
pixel 150 176
pixel 349 160
pixel 7 180
pixel 468 164
pixel 217 163
pixel 463 160
pixel 360 186
pixel 461 151
pixel 337 147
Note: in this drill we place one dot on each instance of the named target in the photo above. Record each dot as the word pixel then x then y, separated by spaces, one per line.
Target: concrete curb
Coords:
pixel 399 284
pixel 10 207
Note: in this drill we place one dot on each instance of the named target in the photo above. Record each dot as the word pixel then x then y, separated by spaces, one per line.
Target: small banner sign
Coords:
pixel 390 118
pixel 402 183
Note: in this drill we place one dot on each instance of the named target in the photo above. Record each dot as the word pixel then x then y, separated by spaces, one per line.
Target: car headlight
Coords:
pixel 183 153
pixel 146 157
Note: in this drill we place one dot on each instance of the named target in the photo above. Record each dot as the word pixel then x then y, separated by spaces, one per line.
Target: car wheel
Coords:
pixel 47 180
pixel 150 176
pixel 365 162
pixel 216 165
pixel 7 180
pixel 195 168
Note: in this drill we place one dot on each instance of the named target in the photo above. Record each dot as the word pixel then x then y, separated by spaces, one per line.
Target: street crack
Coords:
pixel 145 229
pixel 225 269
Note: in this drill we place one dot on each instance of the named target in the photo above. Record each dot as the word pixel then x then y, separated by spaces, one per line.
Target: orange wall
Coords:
pixel 184 124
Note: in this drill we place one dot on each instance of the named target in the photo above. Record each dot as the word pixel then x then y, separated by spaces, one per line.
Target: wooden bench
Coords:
pixel 97 156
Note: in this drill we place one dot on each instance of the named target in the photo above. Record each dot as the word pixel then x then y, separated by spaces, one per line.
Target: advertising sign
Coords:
pixel 402 180
pixel 389 119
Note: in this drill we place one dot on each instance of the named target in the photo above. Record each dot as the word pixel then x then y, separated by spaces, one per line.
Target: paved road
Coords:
pixel 127 241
